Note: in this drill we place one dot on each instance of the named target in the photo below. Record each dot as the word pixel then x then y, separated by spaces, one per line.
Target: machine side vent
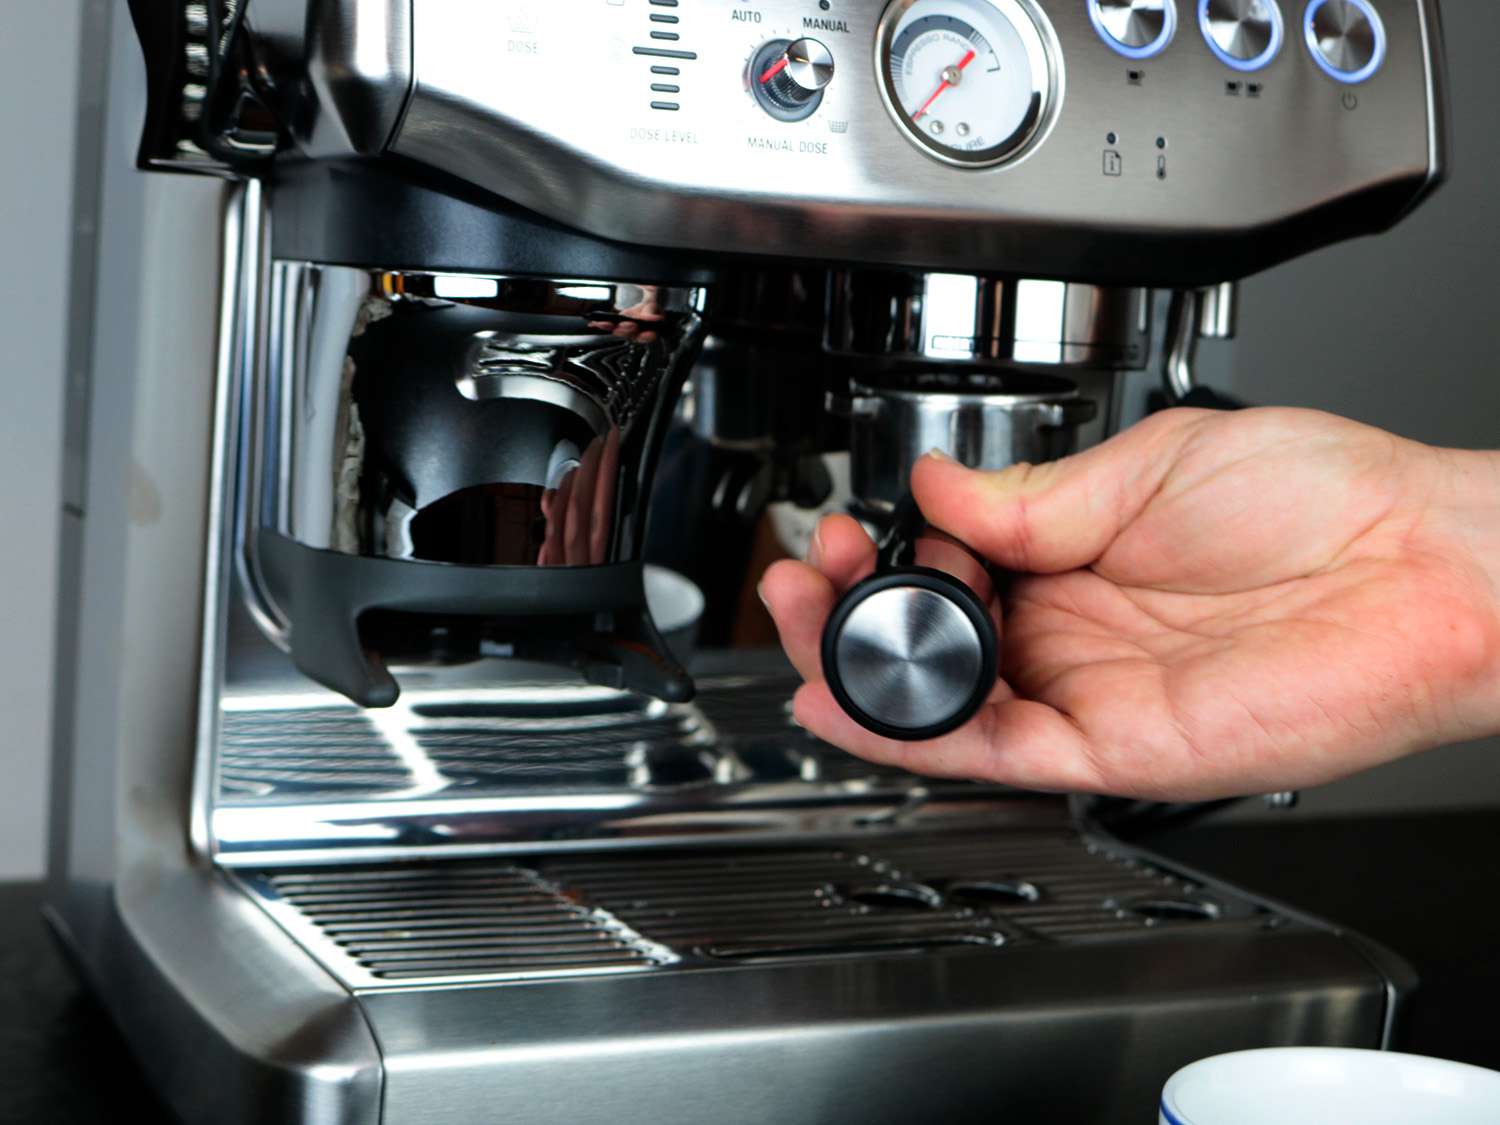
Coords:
pixel 451 923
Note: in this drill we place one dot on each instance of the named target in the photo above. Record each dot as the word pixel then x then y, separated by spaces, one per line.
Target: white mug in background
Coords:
pixel 1329 1086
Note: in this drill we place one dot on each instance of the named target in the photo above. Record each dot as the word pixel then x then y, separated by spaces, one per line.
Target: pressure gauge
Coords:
pixel 971 82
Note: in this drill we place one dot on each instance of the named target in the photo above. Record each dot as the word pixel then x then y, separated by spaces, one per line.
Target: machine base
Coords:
pixel 795 983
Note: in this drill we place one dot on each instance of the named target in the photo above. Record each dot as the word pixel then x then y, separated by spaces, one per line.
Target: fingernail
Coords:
pixel 939 455
pixel 815 548
pixel 1021 478
pixel 760 592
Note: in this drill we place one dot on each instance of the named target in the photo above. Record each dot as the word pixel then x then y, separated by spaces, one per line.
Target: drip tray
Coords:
pixel 457 922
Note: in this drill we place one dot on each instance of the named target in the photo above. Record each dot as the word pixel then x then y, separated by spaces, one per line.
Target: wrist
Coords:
pixel 1464 509
pixel 1460 524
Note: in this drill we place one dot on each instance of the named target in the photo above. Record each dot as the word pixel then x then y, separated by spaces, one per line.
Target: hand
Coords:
pixel 580 512
pixel 1212 604
pixel 634 323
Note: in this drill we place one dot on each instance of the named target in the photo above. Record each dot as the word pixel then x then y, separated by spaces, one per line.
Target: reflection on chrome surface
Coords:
pixel 466 419
pixel 474 758
pixel 903 315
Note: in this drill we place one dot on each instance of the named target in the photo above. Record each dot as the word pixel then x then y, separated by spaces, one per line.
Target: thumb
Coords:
pixel 1057 516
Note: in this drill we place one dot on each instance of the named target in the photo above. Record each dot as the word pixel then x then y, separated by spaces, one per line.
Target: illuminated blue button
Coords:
pixel 1244 34
pixel 1137 29
pixel 1345 37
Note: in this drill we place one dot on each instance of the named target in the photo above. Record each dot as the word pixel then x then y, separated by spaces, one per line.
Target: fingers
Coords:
pixel 1057 516
pixel 553 552
pixel 580 510
pixel 842 551
pixel 800 596
pixel 1011 741
pixel 601 526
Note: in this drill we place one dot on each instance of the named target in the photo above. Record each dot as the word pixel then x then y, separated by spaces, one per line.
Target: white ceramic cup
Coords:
pixel 675 604
pixel 1330 1086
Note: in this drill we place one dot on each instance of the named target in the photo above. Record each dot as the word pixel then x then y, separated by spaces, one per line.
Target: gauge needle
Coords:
pixel 949 78
pixel 772 72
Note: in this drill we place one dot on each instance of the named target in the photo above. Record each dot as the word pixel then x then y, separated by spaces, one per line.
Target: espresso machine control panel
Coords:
pixel 1056 137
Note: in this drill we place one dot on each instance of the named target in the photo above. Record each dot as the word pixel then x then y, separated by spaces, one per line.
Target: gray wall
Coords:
pixel 1401 331
pixel 38 103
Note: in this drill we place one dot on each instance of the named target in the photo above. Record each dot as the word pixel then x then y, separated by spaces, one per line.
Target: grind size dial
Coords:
pixel 971 82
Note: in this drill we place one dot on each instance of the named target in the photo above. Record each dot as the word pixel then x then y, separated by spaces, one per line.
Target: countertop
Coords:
pixel 1427 886
pixel 61 1060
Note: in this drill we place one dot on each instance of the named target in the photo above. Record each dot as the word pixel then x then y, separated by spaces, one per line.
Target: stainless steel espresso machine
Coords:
pixel 543 325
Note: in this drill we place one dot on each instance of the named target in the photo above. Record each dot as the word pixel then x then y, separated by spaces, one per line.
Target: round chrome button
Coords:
pixel 1245 34
pixel 909 657
pixel 1346 38
pixel 1137 29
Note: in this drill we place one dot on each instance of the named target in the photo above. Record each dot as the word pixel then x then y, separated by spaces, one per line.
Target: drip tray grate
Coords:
pixel 609 912
pixel 448 922
pixel 738 730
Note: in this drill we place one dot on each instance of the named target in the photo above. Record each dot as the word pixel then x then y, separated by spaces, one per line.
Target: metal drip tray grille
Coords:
pixel 777 904
pixel 293 754
pixel 450 922
pixel 460 921
pixel 753 715
pixel 954 888
pixel 618 752
pixel 318 749
pixel 514 741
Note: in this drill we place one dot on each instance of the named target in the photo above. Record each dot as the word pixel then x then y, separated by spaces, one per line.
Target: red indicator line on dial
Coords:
pixel 943 85
pixel 773 71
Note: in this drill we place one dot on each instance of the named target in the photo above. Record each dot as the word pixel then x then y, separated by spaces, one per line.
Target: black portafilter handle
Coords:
pixel 911 652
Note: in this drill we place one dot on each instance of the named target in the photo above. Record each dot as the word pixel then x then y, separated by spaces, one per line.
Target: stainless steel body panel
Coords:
pixel 1038 1035
pixel 1241 178
pixel 226 1015
pixel 359 59
pixel 180 960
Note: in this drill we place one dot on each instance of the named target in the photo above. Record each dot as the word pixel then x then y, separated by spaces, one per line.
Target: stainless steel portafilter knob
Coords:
pixel 910 653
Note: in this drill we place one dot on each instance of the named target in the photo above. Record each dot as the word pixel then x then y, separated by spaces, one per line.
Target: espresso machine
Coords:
pixel 469 791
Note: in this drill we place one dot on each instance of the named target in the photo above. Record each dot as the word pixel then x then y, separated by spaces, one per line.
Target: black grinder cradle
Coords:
pixel 508 384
